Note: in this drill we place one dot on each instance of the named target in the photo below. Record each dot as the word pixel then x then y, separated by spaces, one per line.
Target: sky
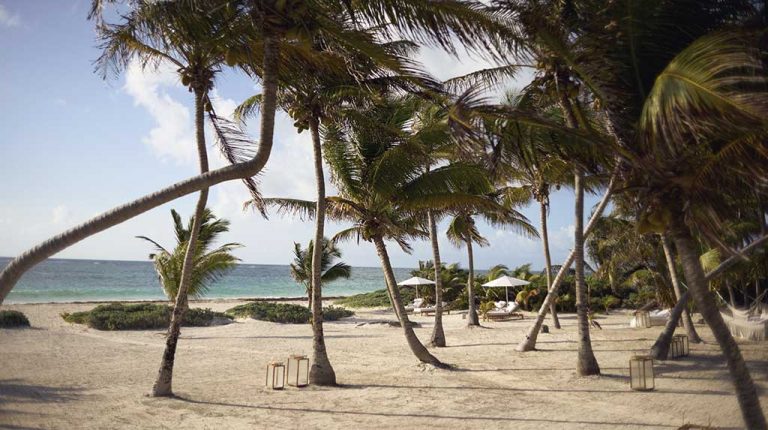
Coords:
pixel 74 145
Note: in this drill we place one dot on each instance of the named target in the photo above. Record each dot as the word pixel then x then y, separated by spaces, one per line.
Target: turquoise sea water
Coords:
pixel 60 280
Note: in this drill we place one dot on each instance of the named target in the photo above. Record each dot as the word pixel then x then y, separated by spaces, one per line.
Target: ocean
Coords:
pixel 63 280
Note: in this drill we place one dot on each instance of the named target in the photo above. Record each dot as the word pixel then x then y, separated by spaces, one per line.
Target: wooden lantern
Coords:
pixel 675 347
pixel 641 377
pixel 642 319
pixel 276 375
pixel 685 347
pixel 298 370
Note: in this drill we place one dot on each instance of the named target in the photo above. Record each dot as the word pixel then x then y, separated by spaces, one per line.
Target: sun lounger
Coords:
pixel 658 317
pixel 430 310
pixel 506 313
pixel 411 308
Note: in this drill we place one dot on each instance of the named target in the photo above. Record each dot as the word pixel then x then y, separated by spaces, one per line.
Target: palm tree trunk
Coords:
pixel 28 259
pixel 529 342
pixel 660 348
pixel 472 320
pixel 693 337
pixel 410 336
pixel 548 260
pixel 746 391
pixel 438 335
pixel 164 383
pixel 587 363
pixel 321 372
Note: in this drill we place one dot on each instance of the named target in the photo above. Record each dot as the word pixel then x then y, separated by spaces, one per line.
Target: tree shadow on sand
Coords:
pixel 626 391
pixel 14 390
pixel 464 419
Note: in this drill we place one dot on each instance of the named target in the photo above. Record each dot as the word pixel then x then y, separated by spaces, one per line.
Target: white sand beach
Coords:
pixel 58 375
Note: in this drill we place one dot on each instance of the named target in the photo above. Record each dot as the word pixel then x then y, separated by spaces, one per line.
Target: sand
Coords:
pixel 58 375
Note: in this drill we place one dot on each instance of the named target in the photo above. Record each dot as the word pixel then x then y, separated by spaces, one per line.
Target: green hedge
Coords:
pixel 13 319
pixel 375 299
pixel 139 316
pixel 284 313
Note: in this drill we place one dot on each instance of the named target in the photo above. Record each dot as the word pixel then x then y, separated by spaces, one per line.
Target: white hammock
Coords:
pixel 750 323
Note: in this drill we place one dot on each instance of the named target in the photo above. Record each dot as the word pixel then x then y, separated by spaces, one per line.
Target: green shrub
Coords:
pixel 611 302
pixel 76 317
pixel 375 299
pixel 13 319
pixel 486 307
pixel 461 302
pixel 595 304
pixel 272 312
pixel 198 317
pixel 333 313
pixel 284 313
pixel 566 303
pixel 138 316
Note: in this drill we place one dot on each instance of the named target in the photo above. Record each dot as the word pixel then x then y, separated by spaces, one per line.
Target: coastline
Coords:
pixel 195 301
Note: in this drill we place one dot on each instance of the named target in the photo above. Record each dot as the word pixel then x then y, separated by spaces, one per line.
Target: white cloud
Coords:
pixel 443 66
pixel 173 136
pixel 60 215
pixel 8 19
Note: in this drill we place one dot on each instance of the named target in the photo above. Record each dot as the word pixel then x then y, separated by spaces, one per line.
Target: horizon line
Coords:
pixel 251 264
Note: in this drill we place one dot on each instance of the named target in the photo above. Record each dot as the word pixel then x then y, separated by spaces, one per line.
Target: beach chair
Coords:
pixel 411 308
pixel 430 310
pixel 508 312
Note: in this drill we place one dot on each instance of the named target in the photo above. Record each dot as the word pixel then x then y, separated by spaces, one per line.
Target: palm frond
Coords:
pixel 237 147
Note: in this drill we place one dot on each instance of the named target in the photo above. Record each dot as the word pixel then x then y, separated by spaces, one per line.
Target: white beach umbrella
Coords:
pixel 415 282
pixel 506 282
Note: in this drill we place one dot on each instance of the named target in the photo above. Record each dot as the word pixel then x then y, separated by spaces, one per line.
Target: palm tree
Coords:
pixel 431 131
pixel 462 231
pixel 383 188
pixel 301 267
pixel 209 264
pixel 337 70
pixel 189 37
pixel 536 171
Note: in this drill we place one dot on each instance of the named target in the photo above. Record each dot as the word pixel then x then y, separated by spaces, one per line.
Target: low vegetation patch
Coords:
pixel 375 299
pixel 139 316
pixel 13 319
pixel 284 313
pixel 334 313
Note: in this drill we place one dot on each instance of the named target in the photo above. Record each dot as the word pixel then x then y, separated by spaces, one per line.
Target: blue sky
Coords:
pixel 73 145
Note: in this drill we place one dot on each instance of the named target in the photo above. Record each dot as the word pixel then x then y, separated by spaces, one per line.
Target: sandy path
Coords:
pixel 58 375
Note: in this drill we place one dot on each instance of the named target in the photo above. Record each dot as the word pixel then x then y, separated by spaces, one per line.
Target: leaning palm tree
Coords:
pixel 383 189
pixel 209 265
pixel 301 267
